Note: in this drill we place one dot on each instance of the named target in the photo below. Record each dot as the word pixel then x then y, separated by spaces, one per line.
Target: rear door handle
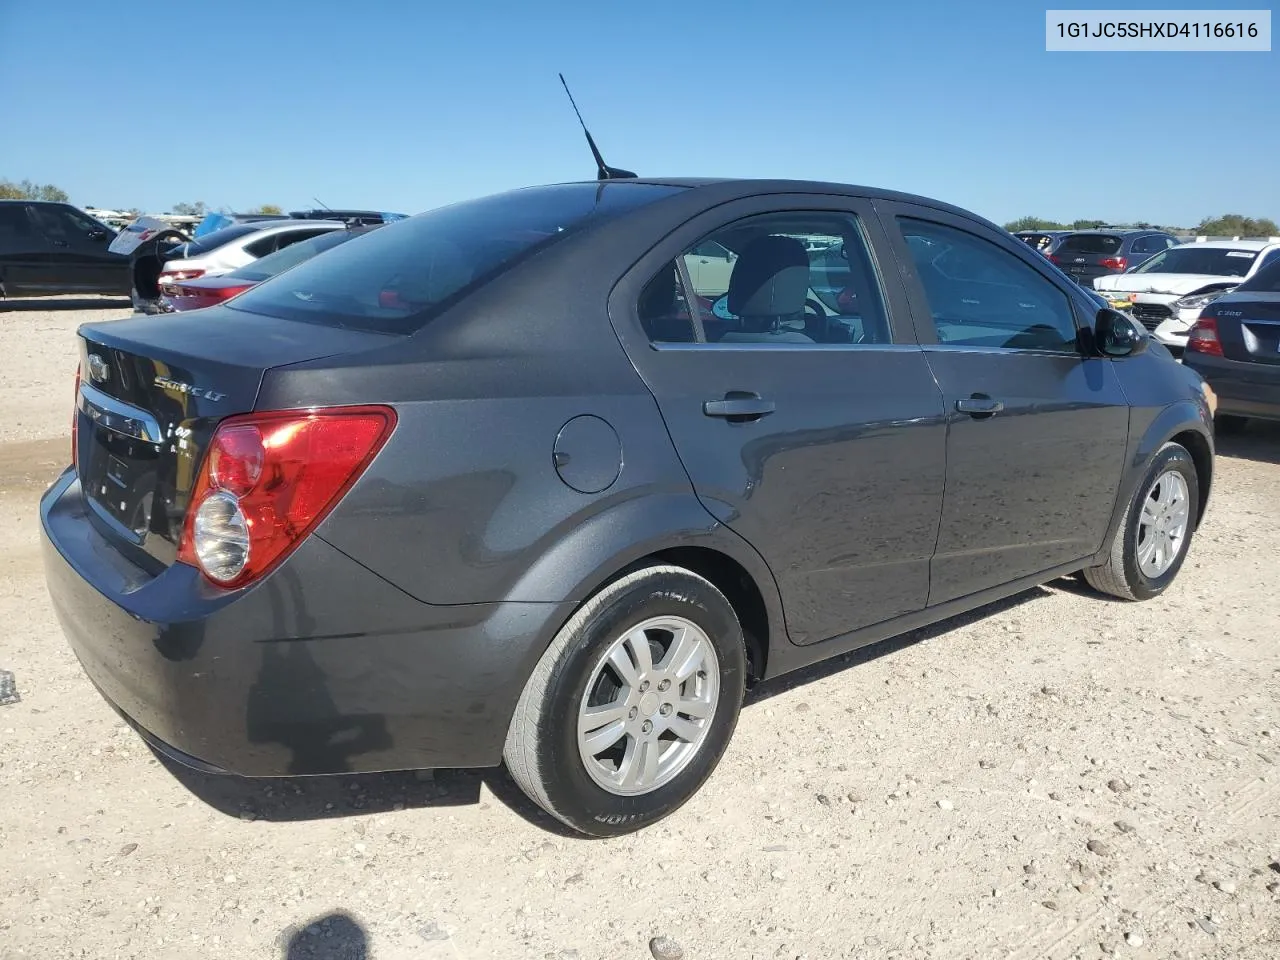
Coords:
pixel 746 406
pixel 979 406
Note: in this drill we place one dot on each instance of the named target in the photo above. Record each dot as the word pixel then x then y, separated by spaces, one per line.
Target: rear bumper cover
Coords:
pixel 1243 389
pixel 323 667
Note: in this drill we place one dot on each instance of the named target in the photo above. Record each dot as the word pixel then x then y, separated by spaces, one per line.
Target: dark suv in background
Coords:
pixel 1087 254
pixel 48 248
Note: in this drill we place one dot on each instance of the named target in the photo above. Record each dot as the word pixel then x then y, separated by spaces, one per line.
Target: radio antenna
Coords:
pixel 603 170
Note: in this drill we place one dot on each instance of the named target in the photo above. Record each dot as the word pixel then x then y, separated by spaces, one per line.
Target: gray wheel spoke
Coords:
pixel 618 741
pixel 1150 512
pixel 1163 523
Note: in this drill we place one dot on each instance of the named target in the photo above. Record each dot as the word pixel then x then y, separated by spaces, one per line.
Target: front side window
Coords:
pixel 981 295
pixel 779 279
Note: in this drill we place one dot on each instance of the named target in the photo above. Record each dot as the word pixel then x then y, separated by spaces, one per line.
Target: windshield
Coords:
pixel 1193 258
pixel 212 241
pixel 292 255
pixel 400 277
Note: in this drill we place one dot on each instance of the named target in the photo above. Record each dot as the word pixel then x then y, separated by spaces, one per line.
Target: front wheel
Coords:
pixel 1155 533
pixel 632 705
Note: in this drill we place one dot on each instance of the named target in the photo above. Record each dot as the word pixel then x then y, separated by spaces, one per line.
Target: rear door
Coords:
pixel 819 439
pixel 1037 431
pixel 24 256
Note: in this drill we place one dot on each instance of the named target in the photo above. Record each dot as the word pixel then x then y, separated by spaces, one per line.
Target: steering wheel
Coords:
pixel 813 306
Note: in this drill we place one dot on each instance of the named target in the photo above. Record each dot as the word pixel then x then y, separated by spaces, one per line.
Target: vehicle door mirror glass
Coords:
pixel 1117 335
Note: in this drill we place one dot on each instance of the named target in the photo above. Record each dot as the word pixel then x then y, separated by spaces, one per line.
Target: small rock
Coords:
pixel 664 948
pixel 1133 939
pixel 1207 925
pixel 824 800
pixel 854 798
pixel 1031 869
pixel 229 878
pixel 777 875
pixel 1055 795
pixel 1099 847
pixel 945 804
pixel 248 816
pixel 1086 886
pixel 1118 786
pixel 1124 826
pixel 1050 904
pixel 987 764
pixel 802 708
pixel 127 849
pixel 1226 886
pixel 1049 691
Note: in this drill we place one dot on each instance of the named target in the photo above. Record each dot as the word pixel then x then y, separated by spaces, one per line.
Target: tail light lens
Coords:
pixel 75 423
pixel 267 482
pixel 1203 337
pixel 1114 263
pixel 1053 258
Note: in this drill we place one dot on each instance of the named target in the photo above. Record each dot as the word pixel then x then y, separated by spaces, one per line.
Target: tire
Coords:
pixel 1124 574
pixel 543 752
pixel 1228 423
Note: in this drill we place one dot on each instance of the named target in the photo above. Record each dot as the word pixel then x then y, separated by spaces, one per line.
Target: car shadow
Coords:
pixel 294 799
pixel 768 689
pixel 1259 441
pixel 17 305
pixel 334 936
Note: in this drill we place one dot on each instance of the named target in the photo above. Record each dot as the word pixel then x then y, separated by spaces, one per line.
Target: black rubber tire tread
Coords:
pixel 529 732
pixel 1118 576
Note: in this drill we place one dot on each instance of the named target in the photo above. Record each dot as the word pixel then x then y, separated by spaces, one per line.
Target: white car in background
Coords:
pixel 236 246
pixel 1169 290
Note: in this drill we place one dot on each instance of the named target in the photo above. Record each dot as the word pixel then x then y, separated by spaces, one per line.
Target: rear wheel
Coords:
pixel 1155 533
pixel 632 705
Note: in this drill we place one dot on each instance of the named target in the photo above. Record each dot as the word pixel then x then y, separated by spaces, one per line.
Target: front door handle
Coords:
pixel 60 243
pixel 738 406
pixel 979 406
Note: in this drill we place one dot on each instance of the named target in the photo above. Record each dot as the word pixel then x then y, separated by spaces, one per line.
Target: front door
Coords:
pixel 78 254
pixel 1037 431
pixel 24 259
pixel 818 438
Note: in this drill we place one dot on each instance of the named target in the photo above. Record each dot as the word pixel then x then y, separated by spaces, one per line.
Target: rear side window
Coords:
pixel 1102 243
pixel 405 273
pixel 212 241
pixel 14 222
pixel 981 295
pixel 291 256
pixel 778 279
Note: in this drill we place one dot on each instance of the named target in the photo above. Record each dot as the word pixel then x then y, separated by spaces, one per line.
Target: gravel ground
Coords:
pixel 1059 776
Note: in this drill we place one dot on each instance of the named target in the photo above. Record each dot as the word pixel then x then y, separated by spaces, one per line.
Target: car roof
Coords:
pixel 1117 232
pixel 268 225
pixel 1232 244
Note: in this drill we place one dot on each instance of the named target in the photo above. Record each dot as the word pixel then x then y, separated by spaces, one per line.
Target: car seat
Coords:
pixel 768 287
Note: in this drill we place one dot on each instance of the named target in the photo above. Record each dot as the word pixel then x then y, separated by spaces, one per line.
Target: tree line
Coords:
pixel 1227 225
pixel 29 190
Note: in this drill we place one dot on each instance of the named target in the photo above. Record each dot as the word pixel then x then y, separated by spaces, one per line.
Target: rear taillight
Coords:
pixel 1114 263
pixel 169 276
pixel 75 423
pixel 1203 337
pixel 269 479
pixel 1053 258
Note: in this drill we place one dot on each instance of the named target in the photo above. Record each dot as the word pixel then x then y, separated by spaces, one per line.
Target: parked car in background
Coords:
pixel 218 220
pixel 1086 255
pixel 1235 346
pixel 224 250
pixel 1042 241
pixel 52 248
pixel 206 291
pixel 1169 290
pixel 491 485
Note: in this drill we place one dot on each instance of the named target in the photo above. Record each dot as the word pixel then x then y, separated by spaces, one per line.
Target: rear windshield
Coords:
pixel 212 241
pixel 1193 258
pixel 273 263
pixel 1104 243
pixel 398 278
pixel 1266 280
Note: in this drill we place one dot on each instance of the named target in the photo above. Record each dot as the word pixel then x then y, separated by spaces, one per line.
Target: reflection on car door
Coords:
pixel 824 449
pixel 1037 431
pixel 78 254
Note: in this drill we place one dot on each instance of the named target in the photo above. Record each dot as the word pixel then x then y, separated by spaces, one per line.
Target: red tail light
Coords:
pixel 1053 258
pixel 1203 337
pixel 75 423
pixel 1115 263
pixel 269 479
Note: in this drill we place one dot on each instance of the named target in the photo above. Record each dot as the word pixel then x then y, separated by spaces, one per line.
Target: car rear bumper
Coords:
pixel 1244 389
pixel 323 667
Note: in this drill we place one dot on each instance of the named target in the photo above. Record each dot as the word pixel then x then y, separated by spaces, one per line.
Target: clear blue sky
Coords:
pixel 405 105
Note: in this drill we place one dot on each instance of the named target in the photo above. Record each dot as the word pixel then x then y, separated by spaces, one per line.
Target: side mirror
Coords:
pixel 1117 334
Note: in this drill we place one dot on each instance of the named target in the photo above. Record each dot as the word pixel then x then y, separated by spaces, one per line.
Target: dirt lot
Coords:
pixel 1059 777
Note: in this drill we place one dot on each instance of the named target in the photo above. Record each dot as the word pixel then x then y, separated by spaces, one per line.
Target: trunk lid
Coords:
pixel 1249 327
pixel 152 391
pixel 1086 256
